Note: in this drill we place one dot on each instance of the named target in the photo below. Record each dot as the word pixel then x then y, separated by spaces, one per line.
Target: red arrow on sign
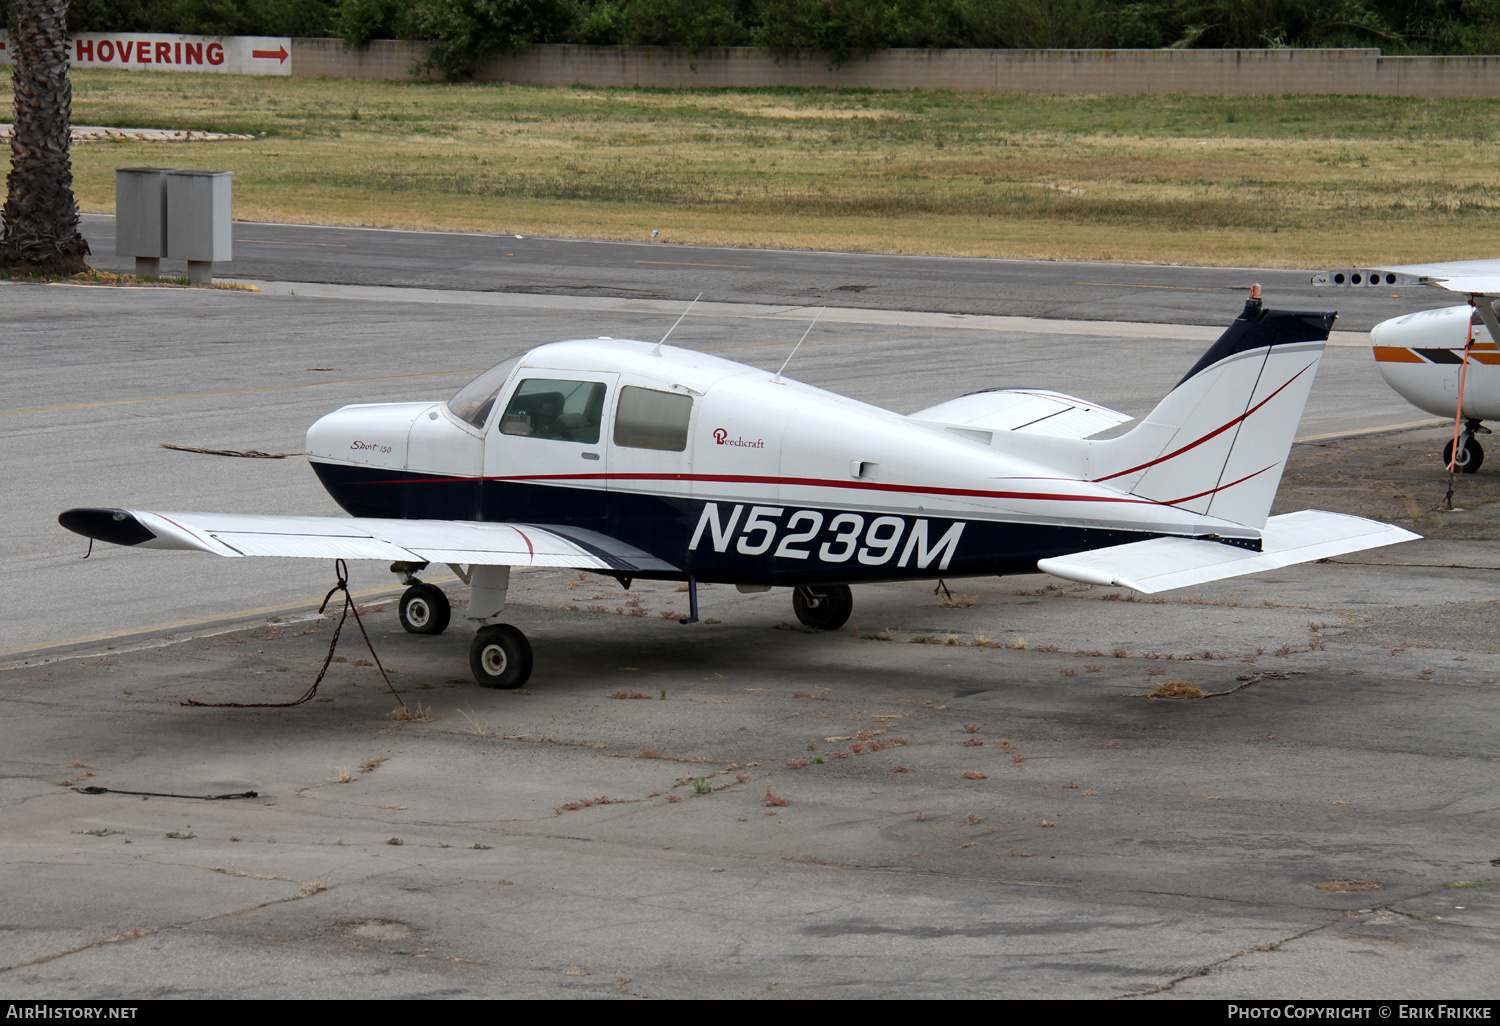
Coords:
pixel 279 54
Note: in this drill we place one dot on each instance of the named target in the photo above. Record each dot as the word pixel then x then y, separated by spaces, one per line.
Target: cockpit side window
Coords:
pixel 564 411
pixel 474 401
pixel 651 419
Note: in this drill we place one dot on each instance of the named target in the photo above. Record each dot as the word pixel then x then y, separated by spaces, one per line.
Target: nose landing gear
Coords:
pixel 424 609
pixel 1470 454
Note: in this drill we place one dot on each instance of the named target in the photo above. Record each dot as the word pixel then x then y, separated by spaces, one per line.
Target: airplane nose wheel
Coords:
pixel 824 606
pixel 1470 455
pixel 500 657
pixel 424 609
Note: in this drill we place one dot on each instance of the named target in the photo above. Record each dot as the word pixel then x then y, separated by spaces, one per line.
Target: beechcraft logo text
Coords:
pixel 722 437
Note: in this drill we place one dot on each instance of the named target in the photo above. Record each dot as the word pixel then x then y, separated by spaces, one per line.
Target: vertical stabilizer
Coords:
pixel 1217 444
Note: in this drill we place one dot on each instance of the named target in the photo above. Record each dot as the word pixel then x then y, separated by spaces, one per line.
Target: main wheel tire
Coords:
pixel 824 606
pixel 500 657
pixel 424 609
pixel 1470 455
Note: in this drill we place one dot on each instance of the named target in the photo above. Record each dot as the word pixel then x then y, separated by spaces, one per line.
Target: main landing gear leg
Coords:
pixel 824 606
pixel 500 655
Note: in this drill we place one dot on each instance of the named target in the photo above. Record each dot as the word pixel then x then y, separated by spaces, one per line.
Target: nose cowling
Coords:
pixel 368 434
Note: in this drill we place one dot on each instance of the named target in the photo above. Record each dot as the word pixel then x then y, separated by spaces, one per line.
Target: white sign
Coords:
pixel 145 51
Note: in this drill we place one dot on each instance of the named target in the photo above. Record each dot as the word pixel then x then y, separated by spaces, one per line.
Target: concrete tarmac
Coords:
pixel 737 809
pixel 1323 827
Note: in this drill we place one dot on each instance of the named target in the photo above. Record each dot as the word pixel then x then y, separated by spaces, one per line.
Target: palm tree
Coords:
pixel 40 232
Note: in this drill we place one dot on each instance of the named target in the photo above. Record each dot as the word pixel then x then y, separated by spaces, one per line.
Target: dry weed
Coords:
pixel 1178 689
pixel 416 713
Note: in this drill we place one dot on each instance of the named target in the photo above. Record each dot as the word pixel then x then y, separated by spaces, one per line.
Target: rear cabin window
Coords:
pixel 564 411
pixel 648 419
pixel 475 400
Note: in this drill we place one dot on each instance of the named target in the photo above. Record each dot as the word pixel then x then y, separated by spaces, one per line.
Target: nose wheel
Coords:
pixel 424 609
pixel 1470 455
pixel 824 606
pixel 500 657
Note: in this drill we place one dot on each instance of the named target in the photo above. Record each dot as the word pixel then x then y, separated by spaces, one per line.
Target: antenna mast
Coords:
pixel 777 377
pixel 657 350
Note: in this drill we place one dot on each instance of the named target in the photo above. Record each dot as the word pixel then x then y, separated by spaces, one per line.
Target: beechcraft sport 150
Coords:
pixel 644 461
pixel 1431 356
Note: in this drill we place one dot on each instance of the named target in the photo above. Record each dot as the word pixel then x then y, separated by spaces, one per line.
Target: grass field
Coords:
pixel 1296 181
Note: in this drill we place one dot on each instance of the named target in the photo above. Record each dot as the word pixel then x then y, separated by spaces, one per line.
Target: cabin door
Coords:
pixel 546 455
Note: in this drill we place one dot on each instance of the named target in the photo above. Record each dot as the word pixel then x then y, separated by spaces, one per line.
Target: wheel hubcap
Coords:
pixel 418 613
pixel 494 660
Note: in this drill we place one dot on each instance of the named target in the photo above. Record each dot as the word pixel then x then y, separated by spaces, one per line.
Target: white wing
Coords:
pixel 1161 564
pixel 1034 411
pixel 431 541
pixel 1469 277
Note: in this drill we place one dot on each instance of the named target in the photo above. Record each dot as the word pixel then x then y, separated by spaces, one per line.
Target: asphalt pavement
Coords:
pixel 1147 293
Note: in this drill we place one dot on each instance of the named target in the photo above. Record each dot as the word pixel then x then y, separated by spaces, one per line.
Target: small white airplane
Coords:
pixel 643 461
pixel 1422 355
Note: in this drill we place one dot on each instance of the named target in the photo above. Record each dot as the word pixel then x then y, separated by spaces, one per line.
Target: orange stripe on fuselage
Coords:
pixel 1487 354
pixel 1396 354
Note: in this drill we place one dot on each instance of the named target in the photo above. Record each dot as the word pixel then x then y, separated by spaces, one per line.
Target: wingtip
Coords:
pixel 117 526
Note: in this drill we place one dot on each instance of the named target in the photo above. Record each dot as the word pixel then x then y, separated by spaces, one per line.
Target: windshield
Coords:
pixel 474 401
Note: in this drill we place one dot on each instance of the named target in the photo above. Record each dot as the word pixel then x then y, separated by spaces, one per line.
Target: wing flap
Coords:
pixel 1161 564
pixel 433 541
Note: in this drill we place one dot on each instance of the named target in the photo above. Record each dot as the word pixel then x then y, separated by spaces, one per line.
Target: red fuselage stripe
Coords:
pixel 809 482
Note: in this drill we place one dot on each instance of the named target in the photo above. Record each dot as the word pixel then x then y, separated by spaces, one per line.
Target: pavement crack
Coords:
pixel 307 890
pixel 1211 966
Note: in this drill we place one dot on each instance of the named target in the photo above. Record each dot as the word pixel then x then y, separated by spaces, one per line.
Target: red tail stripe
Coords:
pixel 1212 434
pixel 1220 488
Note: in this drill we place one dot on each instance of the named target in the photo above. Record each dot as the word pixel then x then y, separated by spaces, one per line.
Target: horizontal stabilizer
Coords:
pixel 1033 411
pixel 1162 564
pixel 431 541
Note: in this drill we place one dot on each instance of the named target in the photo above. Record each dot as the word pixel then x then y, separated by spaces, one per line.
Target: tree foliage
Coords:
pixel 463 33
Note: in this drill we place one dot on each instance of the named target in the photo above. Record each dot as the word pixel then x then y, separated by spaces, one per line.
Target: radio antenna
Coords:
pixel 657 350
pixel 777 377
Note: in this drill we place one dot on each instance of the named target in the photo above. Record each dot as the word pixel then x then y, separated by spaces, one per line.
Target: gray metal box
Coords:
pixel 141 211
pixel 200 215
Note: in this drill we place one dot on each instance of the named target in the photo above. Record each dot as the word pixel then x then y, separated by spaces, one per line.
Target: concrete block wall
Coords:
pixel 1101 72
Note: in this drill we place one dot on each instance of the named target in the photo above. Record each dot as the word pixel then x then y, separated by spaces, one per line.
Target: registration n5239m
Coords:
pixel 828 538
